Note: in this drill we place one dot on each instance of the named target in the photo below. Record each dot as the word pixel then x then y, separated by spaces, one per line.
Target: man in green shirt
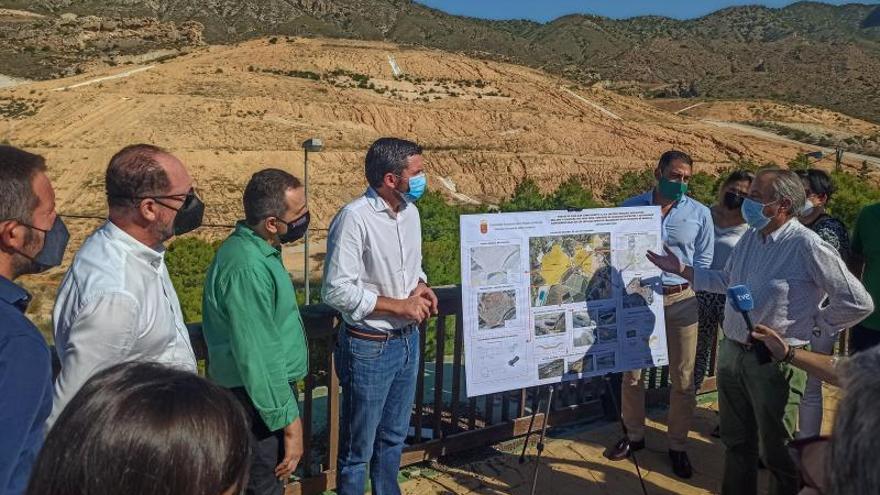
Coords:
pixel 253 328
pixel 865 261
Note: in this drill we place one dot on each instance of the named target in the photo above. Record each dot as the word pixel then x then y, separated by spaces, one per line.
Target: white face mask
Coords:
pixel 808 208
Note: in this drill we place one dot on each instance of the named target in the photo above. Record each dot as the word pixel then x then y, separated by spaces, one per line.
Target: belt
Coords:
pixel 379 335
pixel 750 347
pixel 669 290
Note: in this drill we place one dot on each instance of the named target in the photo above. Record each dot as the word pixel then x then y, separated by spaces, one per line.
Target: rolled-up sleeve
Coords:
pixel 102 335
pixel 248 298
pixel 848 301
pixel 343 266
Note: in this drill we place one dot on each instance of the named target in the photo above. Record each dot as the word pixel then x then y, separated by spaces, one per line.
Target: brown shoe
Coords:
pixel 623 449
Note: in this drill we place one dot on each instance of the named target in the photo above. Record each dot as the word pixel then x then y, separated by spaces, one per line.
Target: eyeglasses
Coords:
pixel 45 231
pixel 188 198
pixel 810 455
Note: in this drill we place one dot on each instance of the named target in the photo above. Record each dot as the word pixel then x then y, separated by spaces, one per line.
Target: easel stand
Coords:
pixel 613 395
pixel 540 446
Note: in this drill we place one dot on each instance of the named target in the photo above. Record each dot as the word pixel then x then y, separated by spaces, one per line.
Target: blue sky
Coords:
pixel 546 10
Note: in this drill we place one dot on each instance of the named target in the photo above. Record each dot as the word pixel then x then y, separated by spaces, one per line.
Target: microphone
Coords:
pixel 740 298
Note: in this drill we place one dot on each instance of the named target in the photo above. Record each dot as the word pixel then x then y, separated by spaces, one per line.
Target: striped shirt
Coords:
pixel 789 272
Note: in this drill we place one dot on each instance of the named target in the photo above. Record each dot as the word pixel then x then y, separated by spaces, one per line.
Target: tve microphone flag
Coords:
pixel 741 299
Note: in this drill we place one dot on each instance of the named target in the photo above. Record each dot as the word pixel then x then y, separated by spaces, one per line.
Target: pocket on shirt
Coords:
pixel 366 349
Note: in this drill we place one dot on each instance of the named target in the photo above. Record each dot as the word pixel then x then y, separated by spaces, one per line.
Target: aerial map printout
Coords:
pixel 560 295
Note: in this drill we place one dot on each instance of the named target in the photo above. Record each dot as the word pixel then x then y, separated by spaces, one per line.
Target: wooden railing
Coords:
pixel 443 420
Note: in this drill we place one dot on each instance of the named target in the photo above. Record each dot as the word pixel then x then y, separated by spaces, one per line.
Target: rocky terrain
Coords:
pixel 806 53
pixel 230 110
pixel 802 123
pixel 38 46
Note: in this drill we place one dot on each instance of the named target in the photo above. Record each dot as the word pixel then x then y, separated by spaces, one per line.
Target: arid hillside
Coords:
pixel 231 110
pixel 806 53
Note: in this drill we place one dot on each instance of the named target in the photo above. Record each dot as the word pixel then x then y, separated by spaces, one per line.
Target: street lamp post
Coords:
pixel 815 155
pixel 314 145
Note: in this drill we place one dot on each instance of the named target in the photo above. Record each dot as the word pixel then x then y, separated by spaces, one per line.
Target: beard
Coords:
pixel 162 231
pixel 24 264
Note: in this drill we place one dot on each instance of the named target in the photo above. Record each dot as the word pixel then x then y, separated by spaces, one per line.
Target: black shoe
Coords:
pixel 761 464
pixel 681 465
pixel 623 449
pixel 716 433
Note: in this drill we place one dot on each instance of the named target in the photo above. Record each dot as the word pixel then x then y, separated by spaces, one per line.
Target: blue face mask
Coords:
pixel 417 186
pixel 753 213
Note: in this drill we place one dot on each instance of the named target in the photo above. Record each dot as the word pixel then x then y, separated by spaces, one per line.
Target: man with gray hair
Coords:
pixel 790 270
pixel 116 302
pixel 373 275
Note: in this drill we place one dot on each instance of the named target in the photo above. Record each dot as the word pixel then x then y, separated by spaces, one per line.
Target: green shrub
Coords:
pixel 630 184
pixel 188 259
pixel 852 194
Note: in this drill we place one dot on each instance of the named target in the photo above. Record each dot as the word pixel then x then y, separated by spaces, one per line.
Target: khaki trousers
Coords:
pixel 681 340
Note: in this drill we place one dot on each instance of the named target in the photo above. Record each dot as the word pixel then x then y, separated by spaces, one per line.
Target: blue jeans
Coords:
pixel 378 388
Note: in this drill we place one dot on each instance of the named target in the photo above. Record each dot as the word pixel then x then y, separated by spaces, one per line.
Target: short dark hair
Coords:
pixel 388 155
pixel 264 194
pixel 739 175
pixel 667 158
pixel 17 170
pixel 146 429
pixel 135 173
pixel 818 180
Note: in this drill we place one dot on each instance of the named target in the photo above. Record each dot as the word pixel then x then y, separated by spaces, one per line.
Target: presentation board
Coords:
pixel 560 295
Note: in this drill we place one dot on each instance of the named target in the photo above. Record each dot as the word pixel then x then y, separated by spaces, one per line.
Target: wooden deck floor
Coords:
pixel 572 463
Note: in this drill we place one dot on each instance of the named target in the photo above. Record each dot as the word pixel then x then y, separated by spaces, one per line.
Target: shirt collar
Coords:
pixel 14 294
pixel 777 234
pixel 152 256
pixel 246 232
pixel 378 203
pixel 649 198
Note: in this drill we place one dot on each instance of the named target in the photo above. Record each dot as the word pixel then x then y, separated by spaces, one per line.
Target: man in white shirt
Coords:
pixel 116 302
pixel 789 270
pixel 373 275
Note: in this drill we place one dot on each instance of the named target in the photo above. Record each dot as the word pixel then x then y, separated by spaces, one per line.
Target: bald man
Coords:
pixel 116 302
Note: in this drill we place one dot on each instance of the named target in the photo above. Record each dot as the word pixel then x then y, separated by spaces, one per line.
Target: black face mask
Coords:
pixel 732 200
pixel 189 215
pixel 296 229
pixel 54 245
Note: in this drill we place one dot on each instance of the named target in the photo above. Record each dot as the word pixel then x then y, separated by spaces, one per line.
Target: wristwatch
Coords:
pixel 789 356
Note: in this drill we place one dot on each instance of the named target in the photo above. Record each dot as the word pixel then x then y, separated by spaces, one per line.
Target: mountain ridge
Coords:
pixel 807 52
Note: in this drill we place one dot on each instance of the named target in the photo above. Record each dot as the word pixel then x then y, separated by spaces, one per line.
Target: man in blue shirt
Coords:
pixel 688 232
pixel 32 239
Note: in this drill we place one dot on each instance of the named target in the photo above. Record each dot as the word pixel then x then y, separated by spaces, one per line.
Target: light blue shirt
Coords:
pixel 687 230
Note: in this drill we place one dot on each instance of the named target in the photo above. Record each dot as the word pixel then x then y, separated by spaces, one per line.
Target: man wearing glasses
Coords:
pixel 116 302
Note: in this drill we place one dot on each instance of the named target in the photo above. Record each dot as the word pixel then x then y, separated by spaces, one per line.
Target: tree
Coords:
pixel 188 259
pixel 526 197
pixel 704 187
pixel 853 193
pixel 572 194
pixel 630 184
